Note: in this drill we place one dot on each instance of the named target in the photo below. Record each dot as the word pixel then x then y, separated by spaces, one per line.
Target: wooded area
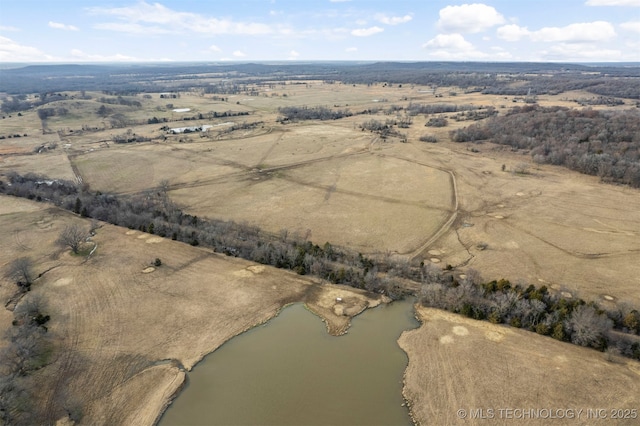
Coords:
pixel 600 143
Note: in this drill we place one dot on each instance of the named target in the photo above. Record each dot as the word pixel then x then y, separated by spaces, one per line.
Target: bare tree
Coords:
pixel 587 326
pixel 21 271
pixel 29 310
pixel 43 114
pixel 14 401
pixel 72 237
pixel 473 276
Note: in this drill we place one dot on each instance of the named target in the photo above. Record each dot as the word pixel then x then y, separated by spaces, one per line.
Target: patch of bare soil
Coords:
pixel 337 304
pixel 470 372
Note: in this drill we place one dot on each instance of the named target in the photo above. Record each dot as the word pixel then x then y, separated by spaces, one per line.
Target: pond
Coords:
pixel 291 372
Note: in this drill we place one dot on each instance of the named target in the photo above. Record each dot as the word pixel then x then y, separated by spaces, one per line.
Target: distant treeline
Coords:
pixel 497 78
pixel 17 103
pixel 623 87
pixel 536 309
pixel 120 101
pixel 601 143
pixel 415 109
pixel 297 113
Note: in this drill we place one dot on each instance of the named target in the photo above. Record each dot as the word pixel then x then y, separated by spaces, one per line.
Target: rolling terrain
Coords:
pixel 123 331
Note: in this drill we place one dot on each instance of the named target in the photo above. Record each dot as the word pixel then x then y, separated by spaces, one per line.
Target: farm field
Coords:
pixel 518 377
pixel 331 181
pixel 127 331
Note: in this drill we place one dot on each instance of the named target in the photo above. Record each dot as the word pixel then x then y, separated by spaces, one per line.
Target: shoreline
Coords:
pixel 446 349
pixel 315 303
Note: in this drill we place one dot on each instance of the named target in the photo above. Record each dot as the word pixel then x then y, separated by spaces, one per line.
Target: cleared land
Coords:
pixel 457 363
pixel 333 182
pixel 125 331
pixel 124 336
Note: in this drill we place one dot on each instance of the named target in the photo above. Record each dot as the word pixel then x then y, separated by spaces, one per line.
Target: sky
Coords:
pixel 77 31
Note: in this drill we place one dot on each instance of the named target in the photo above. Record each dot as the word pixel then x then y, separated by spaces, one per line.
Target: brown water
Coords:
pixel 291 372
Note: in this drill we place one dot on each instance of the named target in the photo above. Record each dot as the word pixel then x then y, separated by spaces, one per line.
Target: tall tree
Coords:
pixel 21 271
pixel 72 236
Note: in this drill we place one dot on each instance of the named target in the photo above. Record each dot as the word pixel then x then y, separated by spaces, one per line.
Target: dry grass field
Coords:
pixel 456 363
pixel 124 337
pixel 125 331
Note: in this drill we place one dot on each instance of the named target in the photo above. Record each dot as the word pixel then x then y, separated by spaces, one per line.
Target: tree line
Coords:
pixel 155 213
pixel 600 143
pixel 28 347
pixel 536 309
pixel 439 108
pixel 120 101
pixel 298 113
pixel 617 81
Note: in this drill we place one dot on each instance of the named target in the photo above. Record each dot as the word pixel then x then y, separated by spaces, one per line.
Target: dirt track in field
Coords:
pixel 124 332
pixel 127 331
pixel 460 369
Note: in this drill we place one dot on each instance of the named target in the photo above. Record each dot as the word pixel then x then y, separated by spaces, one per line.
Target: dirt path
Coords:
pixel 419 253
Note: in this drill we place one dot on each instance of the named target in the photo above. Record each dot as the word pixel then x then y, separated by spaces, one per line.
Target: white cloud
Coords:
pixel 158 19
pixel 333 34
pixel 293 55
pixel 631 26
pixel 351 49
pixel 59 26
pixel 393 20
pixel 239 54
pixel 448 41
pixel 512 32
pixel 468 18
pixel 11 51
pixel 452 47
pixel 79 55
pixel 8 28
pixel 575 52
pixel 633 47
pixel 573 33
pixel 214 48
pixel 500 53
pixel 339 1
pixel 365 32
pixel 635 3
pixel 589 31
pixel 132 28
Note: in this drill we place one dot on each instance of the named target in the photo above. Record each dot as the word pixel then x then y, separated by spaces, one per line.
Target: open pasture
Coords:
pixel 124 330
pixel 550 226
pixel 510 369
pixel 141 167
pixel 331 181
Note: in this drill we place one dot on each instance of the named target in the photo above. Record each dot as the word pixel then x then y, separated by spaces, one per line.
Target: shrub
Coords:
pixel 437 122
pixel 428 138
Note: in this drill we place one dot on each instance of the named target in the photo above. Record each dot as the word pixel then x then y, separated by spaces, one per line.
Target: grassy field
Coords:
pixel 466 372
pixel 125 336
pixel 331 181
pixel 125 331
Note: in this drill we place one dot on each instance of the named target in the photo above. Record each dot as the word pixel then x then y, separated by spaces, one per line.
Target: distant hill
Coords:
pixel 150 77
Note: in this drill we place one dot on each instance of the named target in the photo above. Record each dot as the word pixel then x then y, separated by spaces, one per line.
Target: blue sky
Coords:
pixel 278 30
